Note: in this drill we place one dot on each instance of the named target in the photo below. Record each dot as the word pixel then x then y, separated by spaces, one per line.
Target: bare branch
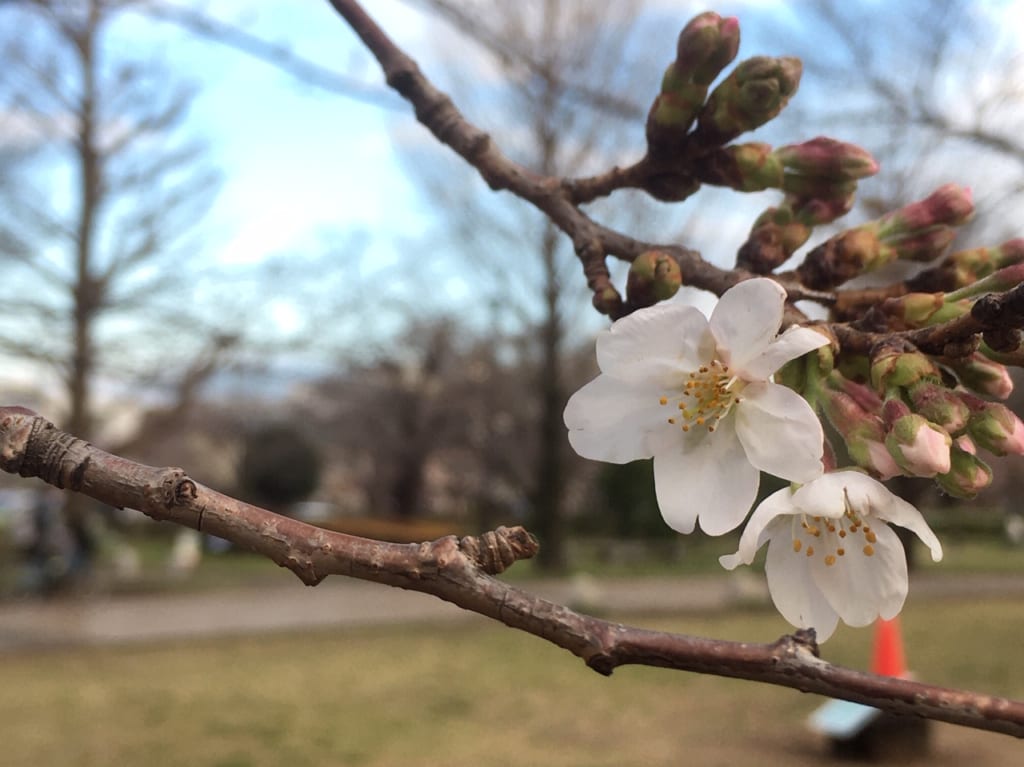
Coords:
pixel 460 571
pixel 557 200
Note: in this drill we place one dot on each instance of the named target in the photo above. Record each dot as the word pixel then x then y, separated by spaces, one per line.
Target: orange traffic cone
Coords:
pixel 888 658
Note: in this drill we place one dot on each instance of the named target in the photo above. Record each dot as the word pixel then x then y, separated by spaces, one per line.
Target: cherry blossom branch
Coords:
pixel 461 571
pixel 558 199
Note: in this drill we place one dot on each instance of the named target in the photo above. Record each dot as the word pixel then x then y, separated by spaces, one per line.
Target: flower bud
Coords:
pixel 995 428
pixel 673 112
pixel 654 276
pixel 939 405
pixel 963 442
pixel 840 258
pixel 861 394
pixel 949 205
pixel 706 46
pixel 802 187
pixel 771 242
pixel 753 93
pixel 827 158
pixel 921 246
pixel 914 310
pixel 919 447
pixel 982 375
pixel 1000 280
pixel 968 475
pixel 863 433
pixel 744 167
pixel 966 267
pixel 892 368
pixel 814 211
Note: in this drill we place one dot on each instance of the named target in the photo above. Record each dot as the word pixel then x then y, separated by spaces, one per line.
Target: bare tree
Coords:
pixel 98 216
pixel 97 230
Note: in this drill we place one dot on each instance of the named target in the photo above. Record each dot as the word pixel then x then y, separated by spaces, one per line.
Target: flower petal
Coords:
pixel 794 342
pixel 795 595
pixel 610 420
pixel 759 527
pixel 779 431
pixel 746 320
pixel 708 477
pixel 867 496
pixel 656 344
pixel 862 588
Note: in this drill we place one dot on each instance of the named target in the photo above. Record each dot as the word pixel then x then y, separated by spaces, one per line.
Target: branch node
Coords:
pixel 497 550
pixel 602 663
pixel 175 488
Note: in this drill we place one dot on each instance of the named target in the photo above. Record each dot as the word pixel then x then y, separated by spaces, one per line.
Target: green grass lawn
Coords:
pixel 469 694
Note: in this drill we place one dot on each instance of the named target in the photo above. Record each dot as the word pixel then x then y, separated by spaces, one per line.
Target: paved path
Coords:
pixel 346 602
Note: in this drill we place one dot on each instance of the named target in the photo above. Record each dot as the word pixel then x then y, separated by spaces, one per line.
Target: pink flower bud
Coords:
pixel 963 442
pixel 983 375
pixel 861 394
pixel 968 475
pixel 827 158
pixel 863 433
pixel 950 205
pixel 918 446
pixel 995 428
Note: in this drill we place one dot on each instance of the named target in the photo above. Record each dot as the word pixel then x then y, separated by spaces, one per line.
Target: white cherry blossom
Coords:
pixel 831 554
pixel 696 396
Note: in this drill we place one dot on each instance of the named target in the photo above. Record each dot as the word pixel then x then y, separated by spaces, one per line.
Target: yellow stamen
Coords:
pixel 797 544
pixel 869 550
pixel 830 560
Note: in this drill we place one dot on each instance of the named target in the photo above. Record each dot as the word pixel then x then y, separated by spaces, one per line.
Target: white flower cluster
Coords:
pixel 696 395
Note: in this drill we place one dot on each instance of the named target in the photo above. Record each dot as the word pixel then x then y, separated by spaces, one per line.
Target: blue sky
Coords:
pixel 303 167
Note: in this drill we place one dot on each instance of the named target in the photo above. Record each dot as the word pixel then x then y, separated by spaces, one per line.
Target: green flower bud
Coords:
pixel 983 375
pixel 1004 279
pixel 744 167
pixel 995 428
pixel 753 93
pixel 893 368
pixel 654 276
pixel 939 405
pixel 967 476
pixel 674 110
pixel 965 267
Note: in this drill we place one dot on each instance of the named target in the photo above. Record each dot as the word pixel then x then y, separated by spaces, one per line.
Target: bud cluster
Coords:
pixel 706 46
pixel 920 231
pixel 906 418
